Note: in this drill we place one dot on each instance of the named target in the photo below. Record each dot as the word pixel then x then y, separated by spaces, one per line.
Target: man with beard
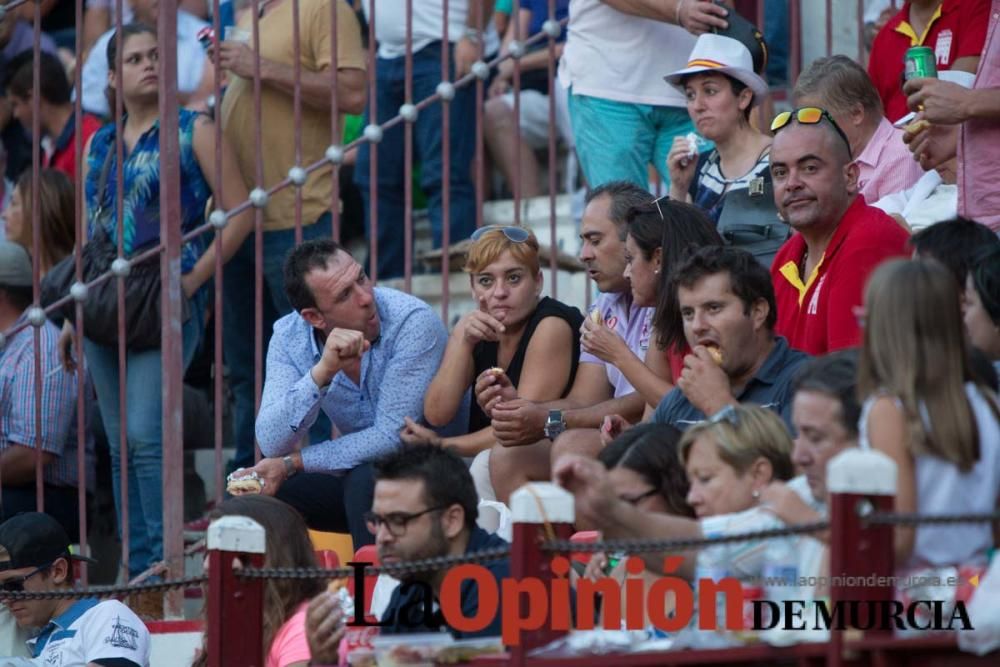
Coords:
pixel 425 506
pixel 819 274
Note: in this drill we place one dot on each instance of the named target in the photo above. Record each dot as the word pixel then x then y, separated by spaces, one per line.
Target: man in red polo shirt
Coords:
pixel 954 29
pixel 819 274
pixel 55 108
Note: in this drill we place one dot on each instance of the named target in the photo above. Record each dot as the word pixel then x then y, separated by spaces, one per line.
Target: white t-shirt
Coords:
pixel 190 64
pixel 621 57
pixel 428 24
pixel 944 489
pixel 91 630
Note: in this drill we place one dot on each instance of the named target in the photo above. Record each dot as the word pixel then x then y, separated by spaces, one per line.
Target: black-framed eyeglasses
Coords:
pixel 636 499
pixel 808 116
pixel 16 585
pixel 513 233
pixel 395 522
pixel 728 414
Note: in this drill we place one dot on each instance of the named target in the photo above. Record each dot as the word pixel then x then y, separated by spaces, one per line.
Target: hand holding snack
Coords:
pixel 479 325
pixel 493 386
pixel 703 381
pixel 681 165
pixel 325 628
pixel 602 341
pixel 242 482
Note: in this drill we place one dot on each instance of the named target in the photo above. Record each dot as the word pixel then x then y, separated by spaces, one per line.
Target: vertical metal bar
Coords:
pixel 217 331
pixel 795 48
pixel 297 114
pixel 36 244
pixel 336 138
pixel 445 168
pixel 861 31
pixel 480 159
pixel 553 129
pixel 80 234
pixel 760 17
pixel 829 27
pixel 373 147
pixel 408 156
pixel 122 354
pixel 516 87
pixel 172 334
pixel 258 249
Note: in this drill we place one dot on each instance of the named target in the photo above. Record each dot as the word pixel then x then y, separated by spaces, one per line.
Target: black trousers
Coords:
pixel 60 503
pixel 333 503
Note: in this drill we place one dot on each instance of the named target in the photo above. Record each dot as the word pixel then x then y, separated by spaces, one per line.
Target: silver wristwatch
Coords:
pixel 555 424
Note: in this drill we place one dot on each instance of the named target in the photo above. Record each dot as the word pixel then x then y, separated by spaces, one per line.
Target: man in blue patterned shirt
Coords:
pixel 19 436
pixel 361 354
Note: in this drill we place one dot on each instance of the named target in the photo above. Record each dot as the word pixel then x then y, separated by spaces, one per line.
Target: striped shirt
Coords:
pixel 395 374
pixel 708 190
pixel 886 165
pixel 58 403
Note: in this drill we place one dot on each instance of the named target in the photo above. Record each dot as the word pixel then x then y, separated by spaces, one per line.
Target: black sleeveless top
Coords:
pixel 484 355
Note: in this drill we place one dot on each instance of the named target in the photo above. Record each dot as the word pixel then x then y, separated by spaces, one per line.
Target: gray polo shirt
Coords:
pixel 770 387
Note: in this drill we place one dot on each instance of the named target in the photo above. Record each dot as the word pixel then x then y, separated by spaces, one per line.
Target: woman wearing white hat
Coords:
pixel 721 89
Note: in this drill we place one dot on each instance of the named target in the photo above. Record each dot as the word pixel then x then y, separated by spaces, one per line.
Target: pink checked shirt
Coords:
pixel 886 164
pixel 979 142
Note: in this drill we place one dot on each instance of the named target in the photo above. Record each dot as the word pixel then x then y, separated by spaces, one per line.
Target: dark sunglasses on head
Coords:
pixel 807 116
pixel 16 585
pixel 513 233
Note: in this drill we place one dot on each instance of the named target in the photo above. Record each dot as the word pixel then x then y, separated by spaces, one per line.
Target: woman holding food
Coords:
pixel 533 341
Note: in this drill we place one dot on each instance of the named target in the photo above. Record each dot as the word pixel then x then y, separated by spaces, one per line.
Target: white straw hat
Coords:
pixel 725 55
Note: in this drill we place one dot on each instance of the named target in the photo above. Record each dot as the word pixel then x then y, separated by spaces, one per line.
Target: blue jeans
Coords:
pixel 616 141
pixel 143 395
pixel 427 145
pixel 238 330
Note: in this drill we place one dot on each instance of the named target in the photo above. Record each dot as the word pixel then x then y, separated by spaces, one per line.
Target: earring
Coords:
pixel 656 272
pixel 755 494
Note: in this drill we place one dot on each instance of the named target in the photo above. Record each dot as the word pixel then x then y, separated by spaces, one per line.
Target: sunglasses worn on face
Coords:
pixel 17 585
pixel 513 233
pixel 807 116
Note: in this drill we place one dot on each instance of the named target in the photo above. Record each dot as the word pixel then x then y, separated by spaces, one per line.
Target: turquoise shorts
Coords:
pixel 618 140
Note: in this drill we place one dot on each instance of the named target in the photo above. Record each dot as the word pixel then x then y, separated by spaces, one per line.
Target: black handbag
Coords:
pixel 749 220
pixel 100 309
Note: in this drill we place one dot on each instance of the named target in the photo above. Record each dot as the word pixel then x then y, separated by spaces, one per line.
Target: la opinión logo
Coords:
pixel 527 604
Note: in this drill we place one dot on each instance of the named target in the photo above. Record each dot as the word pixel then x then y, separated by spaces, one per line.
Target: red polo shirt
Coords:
pixel 63 155
pixel 817 316
pixel 957 30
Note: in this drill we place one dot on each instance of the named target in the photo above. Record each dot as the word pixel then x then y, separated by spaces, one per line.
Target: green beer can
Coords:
pixel 920 63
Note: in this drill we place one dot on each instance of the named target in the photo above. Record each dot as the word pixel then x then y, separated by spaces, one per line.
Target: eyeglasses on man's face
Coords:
pixel 395 522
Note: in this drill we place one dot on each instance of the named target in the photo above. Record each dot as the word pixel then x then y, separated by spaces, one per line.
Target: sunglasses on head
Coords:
pixel 16 585
pixel 807 116
pixel 513 233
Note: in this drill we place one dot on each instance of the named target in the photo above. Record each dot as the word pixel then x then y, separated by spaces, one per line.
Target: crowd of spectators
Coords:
pixel 786 300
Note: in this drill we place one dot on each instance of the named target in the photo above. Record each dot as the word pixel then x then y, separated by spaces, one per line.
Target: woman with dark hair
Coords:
pixel 659 235
pixel 55 217
pixel 287 545
pixel 981 310
pixel 721 89
pixel 645 471
pixel 138 89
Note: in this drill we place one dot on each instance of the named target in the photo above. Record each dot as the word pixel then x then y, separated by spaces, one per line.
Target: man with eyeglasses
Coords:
pixel 35 556
pixel 819 274
pixel 363 355
pixel 425 506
